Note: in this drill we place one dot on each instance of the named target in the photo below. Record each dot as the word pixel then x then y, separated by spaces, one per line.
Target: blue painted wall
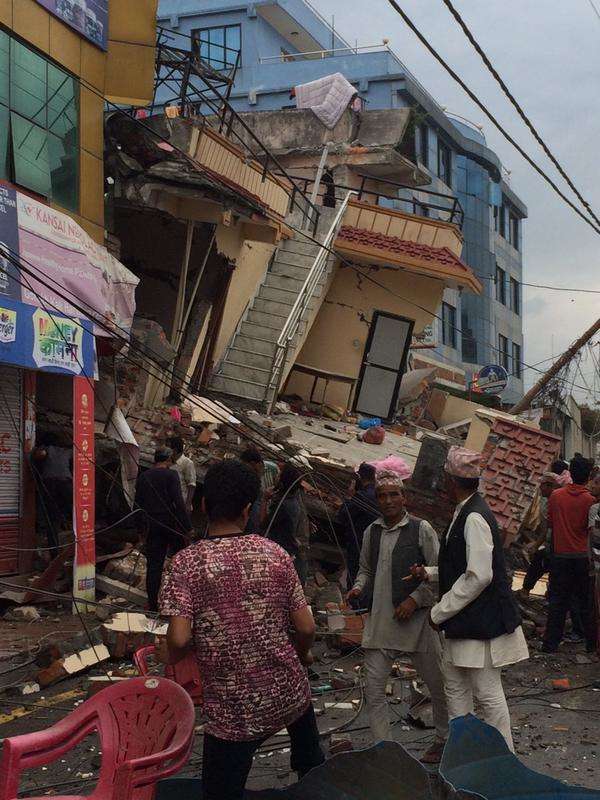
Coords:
pixel 264 82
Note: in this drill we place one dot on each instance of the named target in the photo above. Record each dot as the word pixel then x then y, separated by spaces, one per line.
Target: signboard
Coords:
pixel 54 251
pixel 492 379
pixel 87 17
pixel 34 338
pixel 84 490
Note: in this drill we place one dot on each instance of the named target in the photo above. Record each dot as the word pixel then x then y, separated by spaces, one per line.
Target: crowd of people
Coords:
pixel 236 596
pixel 566 547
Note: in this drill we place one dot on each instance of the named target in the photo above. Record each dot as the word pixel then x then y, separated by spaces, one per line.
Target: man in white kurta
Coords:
pixel 473 666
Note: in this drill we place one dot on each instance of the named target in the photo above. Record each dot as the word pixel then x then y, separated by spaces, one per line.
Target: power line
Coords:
pixel 313 239
pixel 454 75
pixel 518 107
pixel 594 8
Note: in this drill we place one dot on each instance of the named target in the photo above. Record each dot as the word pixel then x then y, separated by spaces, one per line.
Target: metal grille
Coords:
pixel 11 425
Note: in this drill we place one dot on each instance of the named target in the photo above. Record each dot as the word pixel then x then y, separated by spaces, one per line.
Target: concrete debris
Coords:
pixel 113 587
pixel 20 613
pixel 23 689
pixel 130 570
pixel 85 659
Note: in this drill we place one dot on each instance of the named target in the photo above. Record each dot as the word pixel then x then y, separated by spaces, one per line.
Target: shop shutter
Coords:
pixel 11 434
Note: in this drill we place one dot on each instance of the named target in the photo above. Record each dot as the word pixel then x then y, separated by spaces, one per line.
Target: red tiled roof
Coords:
pixel 441 261
pixel 514 458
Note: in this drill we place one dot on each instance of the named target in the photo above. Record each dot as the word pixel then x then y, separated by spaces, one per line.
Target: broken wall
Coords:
pixel 251 259
pixel 337 339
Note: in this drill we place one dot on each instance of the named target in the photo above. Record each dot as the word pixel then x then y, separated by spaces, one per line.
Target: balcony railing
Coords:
pixel 446 204
pixel 197 90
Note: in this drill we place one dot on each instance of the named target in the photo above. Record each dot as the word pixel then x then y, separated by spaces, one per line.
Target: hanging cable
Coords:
pixel 451 8
pixel 453 74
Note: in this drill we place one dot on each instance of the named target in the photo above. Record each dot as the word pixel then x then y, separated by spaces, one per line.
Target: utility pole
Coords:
pixel 560 362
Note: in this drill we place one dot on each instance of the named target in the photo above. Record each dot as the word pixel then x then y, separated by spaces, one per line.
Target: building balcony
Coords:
pixel 373 235
pixel 217 154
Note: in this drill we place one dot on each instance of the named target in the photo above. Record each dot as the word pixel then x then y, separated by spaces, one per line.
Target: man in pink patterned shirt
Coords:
pixel 237 599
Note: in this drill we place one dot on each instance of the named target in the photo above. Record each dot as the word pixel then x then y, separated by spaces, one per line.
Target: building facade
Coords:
pixel 57 69
pixel 284 43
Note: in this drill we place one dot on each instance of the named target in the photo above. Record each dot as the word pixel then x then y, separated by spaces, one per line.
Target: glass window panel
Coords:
pixel 4 67
pixel 233 40
pixel 62 103
pixel 64 172
pixel 217 36
pixel 30 152
pixel 4 151
pixel 28 81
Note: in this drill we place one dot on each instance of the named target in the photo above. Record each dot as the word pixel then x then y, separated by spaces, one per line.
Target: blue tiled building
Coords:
pixel 283 43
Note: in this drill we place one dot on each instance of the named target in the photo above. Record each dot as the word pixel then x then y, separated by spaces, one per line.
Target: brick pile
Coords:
pixel 514 458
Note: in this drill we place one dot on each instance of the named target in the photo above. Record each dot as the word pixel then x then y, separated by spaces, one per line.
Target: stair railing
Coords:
pixel 292 323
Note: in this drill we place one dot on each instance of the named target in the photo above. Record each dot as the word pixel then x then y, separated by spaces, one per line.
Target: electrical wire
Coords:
pixel 516 105
pixel 454 75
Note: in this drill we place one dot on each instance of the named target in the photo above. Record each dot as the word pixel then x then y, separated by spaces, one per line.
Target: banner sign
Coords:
pixel 33 338
pixel 52 250
pixel 87 17
pixel 84 490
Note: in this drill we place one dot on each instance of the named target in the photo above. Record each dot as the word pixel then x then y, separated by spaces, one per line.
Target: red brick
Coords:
pixel 514 458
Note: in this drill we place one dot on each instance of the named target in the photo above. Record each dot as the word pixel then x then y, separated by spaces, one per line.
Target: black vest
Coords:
pixel 406 553
pixel 494 612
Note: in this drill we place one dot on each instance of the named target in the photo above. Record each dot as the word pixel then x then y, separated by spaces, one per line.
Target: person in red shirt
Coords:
pixel 568 514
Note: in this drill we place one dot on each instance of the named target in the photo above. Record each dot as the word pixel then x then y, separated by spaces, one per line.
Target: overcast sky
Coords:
pixel 548 53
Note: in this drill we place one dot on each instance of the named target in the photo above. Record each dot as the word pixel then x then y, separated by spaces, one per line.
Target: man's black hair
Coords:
pixel 229 487
pixel 468 484
pixel 162 454
pixel 367 472
pixel 580 469
pixel 559 466
pixel 289 478
pixel 251 456
pixel 176 444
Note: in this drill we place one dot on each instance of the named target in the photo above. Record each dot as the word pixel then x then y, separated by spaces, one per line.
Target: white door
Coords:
pixel 384 363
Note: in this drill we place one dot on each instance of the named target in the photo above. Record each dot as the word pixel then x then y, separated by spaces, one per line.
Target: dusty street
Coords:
pixel 555 732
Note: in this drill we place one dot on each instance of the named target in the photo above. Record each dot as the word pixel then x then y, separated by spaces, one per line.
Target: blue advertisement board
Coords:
pixel 87 17
pixel 34 338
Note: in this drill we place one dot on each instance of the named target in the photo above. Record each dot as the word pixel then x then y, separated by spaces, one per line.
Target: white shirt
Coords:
pixel 506 649
pixel 186 470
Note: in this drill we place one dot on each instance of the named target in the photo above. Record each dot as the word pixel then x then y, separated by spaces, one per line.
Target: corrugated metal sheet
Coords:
pixel 11 429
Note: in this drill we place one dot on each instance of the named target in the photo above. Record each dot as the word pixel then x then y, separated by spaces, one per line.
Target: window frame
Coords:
pixel 424 144
pixel 504 352
pixel 515 296
pixel 444 156
pixel 500 284
pixel 449 338
pixel 226 64
pixel 62 150
pixel 502 221
pixel 514 229
pixel 517 367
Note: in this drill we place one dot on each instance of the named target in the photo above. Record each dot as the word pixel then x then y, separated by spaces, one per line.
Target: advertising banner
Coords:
pixel 84 490
pixel 87 17
pixel 58 263
pixel 33 338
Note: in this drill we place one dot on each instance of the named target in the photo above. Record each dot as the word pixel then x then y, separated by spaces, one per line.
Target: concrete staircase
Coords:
pixel 245 370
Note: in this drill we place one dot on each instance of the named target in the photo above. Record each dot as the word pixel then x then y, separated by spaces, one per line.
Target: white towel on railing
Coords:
pixel 328 97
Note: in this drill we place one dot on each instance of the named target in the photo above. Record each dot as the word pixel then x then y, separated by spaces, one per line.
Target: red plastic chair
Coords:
pixel 185 673
pixel 146 729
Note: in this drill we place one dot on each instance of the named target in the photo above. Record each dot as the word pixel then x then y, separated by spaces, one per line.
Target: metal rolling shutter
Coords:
pixel 11 431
